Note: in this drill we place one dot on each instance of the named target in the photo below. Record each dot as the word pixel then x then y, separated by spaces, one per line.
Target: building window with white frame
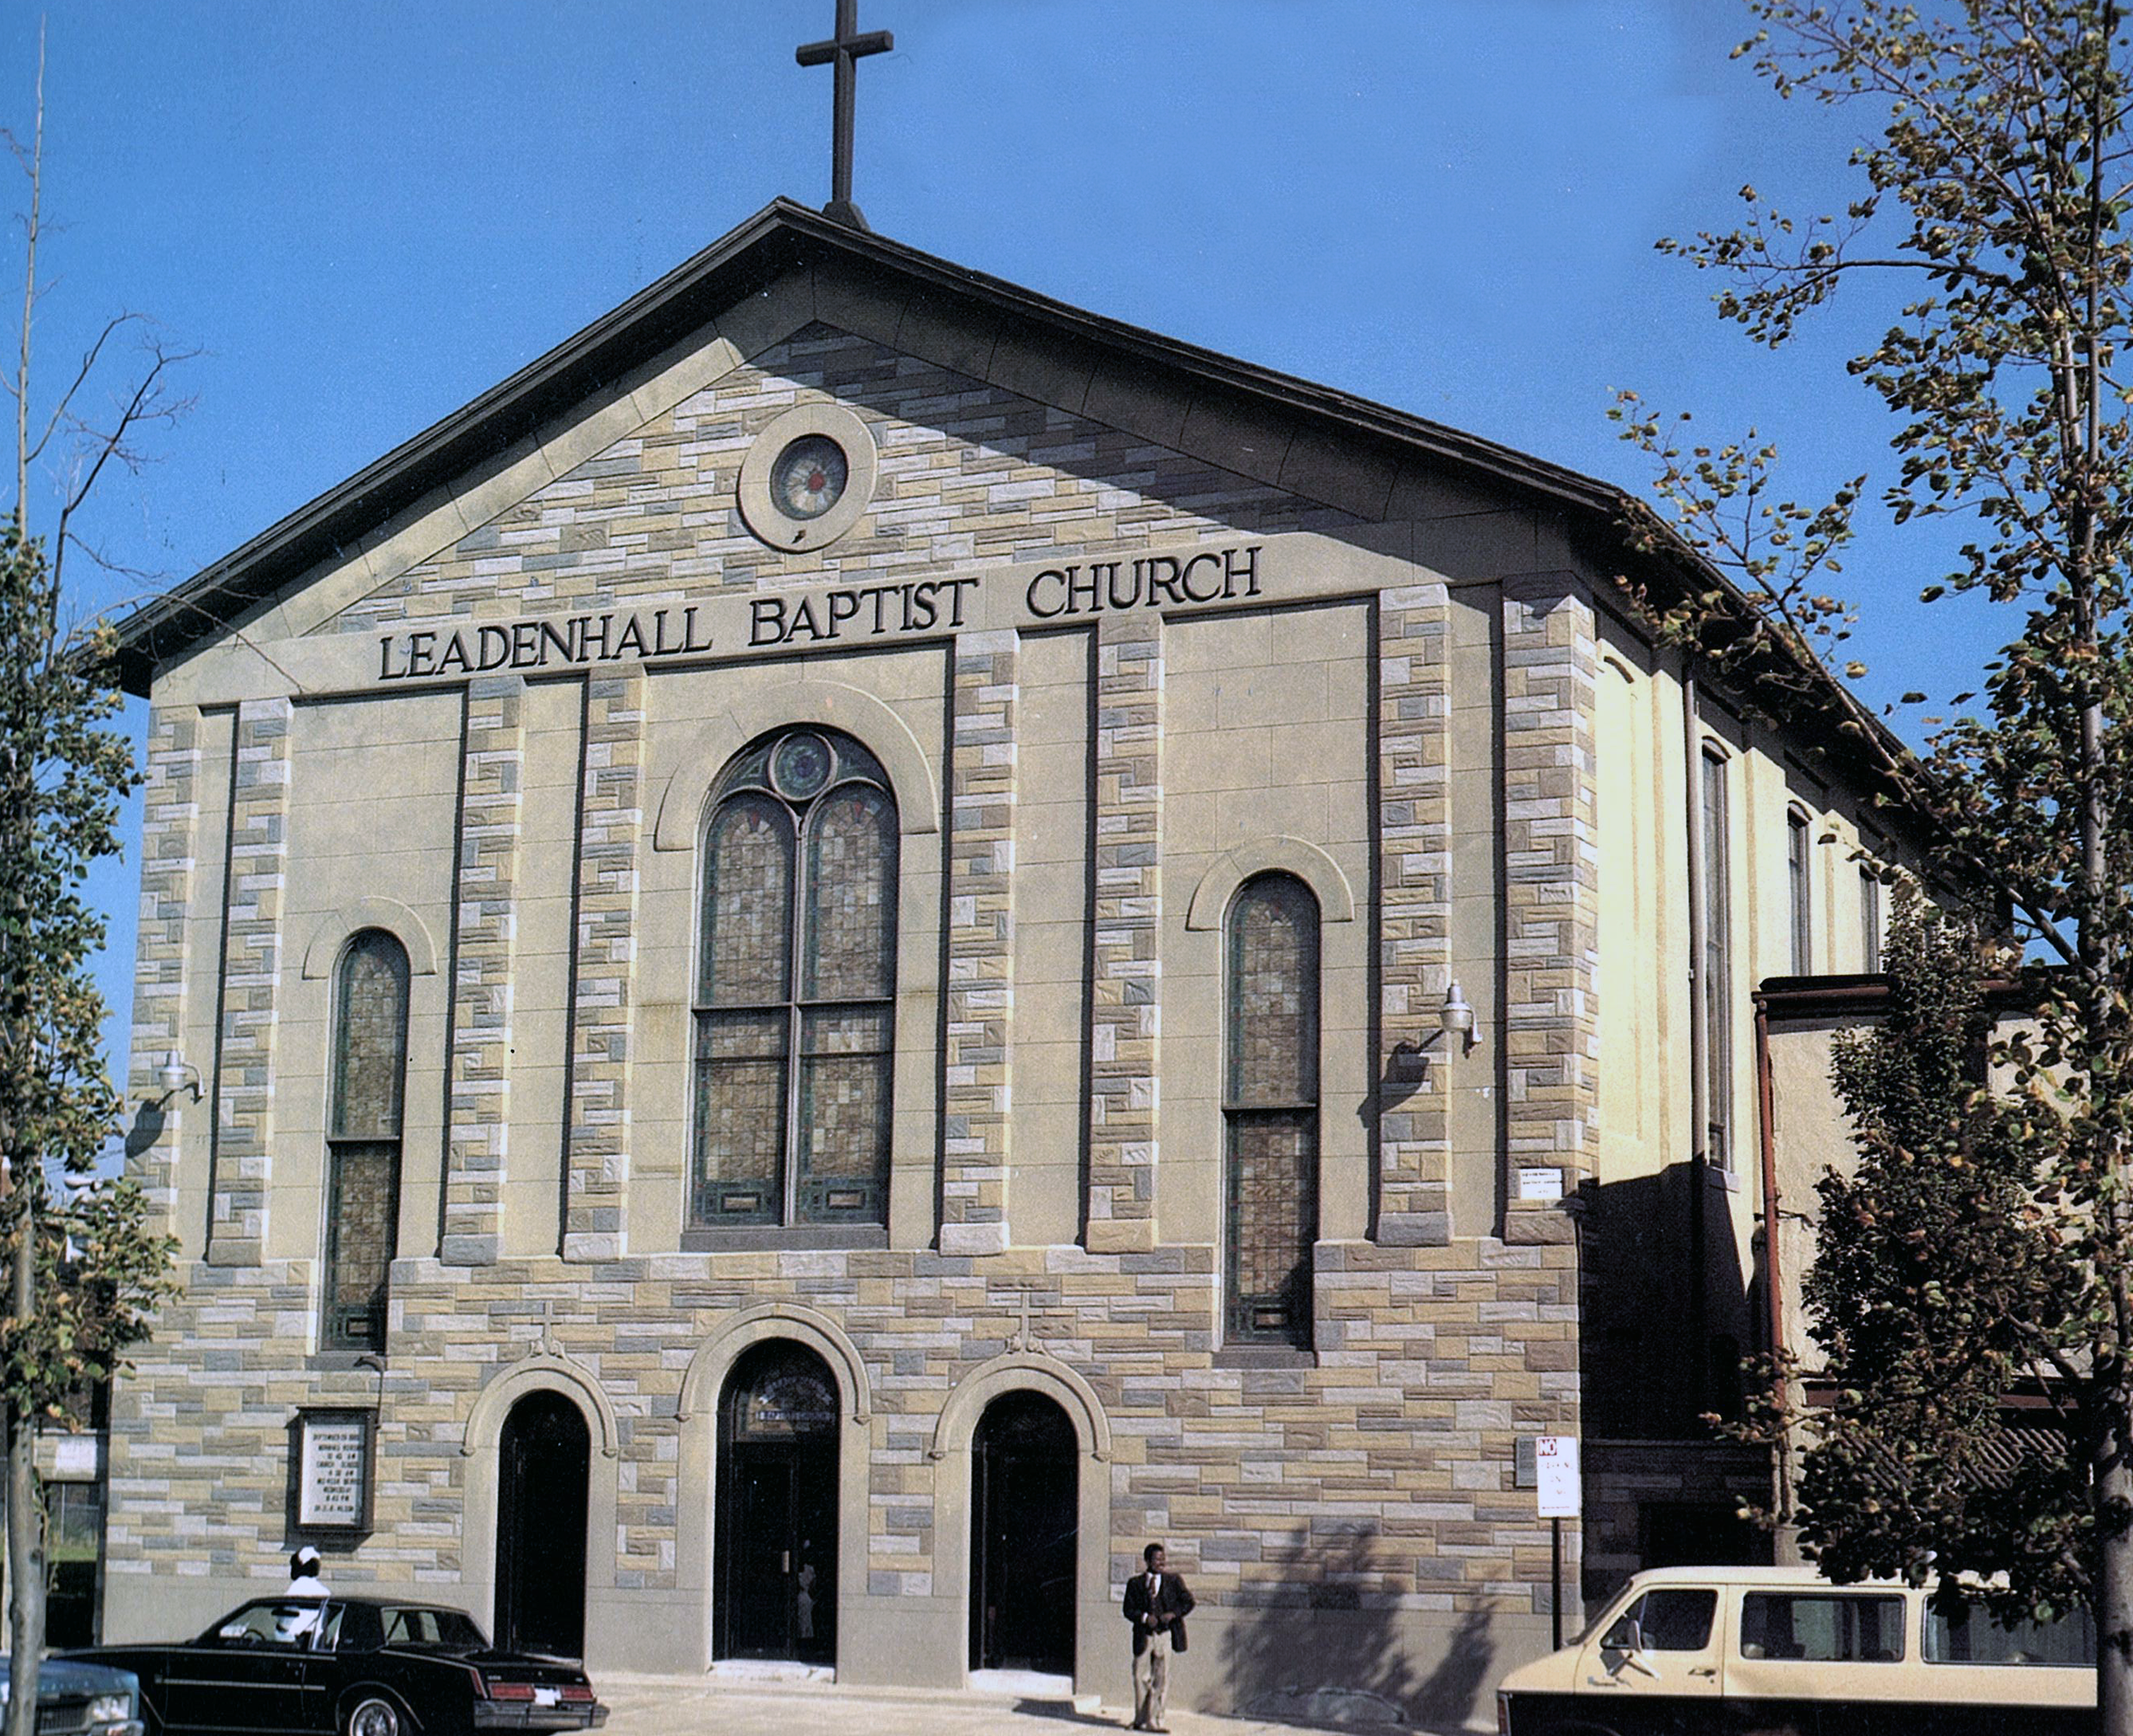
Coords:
pixel 795 995
pixel 1869 918
pixel 1271 1110
pixel 364 1136
pixel 1716 963
pixel 1800 889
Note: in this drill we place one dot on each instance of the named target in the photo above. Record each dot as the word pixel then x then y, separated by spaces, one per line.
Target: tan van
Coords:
pixel 1780 1651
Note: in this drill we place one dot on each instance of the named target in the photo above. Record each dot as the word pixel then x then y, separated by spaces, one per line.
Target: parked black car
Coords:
pixel 80 1699
pixel 355 1666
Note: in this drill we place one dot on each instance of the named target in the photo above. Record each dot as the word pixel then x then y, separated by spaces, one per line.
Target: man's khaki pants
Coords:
pixel 1151 1681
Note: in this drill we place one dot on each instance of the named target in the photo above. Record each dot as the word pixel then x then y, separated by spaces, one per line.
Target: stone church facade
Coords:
pixel 817 952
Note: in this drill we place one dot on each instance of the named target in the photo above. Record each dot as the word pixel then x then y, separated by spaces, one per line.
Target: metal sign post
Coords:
pixel 1561 1496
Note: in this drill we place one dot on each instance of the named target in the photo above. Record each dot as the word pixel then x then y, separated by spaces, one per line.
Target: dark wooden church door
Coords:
pixel 541 1512
pixel 1025 1502
pixel 775 1561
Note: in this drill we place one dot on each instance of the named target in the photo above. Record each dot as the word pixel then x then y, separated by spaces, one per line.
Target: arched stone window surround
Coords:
pixel 702 759
pixel 696 1469
pixel 544 1372
pixel 322 951
pixel 1209 907
pixel 1020 1370
pixel 715 1357
pixel 481 1448
pixel 1027 1372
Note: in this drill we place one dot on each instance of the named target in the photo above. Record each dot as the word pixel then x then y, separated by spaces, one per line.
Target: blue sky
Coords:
pixel 364 214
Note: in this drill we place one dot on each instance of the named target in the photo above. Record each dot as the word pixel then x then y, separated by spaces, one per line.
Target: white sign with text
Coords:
pixel 331 1489
pixel 1555 1463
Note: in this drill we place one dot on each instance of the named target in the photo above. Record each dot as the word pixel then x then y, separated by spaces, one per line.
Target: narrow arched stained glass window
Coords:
pixel 796 984
pixel 1270 1110
pixel 364 1137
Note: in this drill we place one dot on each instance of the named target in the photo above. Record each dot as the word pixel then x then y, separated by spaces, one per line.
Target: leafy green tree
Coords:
pixel 83 1267
pixel 1994 187
pixel 1939 1282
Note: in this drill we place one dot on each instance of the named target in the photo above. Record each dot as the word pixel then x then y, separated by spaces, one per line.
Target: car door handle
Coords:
pixel 1703 1672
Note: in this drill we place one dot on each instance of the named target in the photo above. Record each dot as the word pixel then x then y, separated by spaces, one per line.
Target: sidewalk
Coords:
pixel 653 1705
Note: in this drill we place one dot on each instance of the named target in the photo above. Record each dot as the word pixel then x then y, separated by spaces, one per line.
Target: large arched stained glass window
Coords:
pixel 362 1137
pixel 1271 1110
pixel 796 988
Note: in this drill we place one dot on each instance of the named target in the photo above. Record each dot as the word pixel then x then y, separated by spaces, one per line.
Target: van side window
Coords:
pixel 1672 1618
pixel 1822 1629
pixel 1970 1634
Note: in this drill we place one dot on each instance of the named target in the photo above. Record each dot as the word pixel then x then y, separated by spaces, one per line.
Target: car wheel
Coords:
pixel 373 1717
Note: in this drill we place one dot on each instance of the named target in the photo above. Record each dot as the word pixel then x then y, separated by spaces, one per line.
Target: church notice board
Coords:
pixel 330 1470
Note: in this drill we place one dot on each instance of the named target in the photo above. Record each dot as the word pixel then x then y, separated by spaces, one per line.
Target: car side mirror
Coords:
pixel 1626 1635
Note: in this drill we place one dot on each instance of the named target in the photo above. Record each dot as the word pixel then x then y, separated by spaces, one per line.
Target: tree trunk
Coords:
pixel 26 1510
pixel 2114 1573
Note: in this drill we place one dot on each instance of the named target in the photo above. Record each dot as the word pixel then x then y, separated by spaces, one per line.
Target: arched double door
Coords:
pixel 774 1567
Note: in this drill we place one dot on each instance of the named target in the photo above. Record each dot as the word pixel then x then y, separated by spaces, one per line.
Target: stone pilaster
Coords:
pixel 980 857
pixel 1415 868
pixel 171 843
pixel 610 827
pixel 1126 997
pixel 257 895
pixel 1551 893
pixel 478 1139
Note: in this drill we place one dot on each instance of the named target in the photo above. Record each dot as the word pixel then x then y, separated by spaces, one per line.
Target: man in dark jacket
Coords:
pixel 1157 1603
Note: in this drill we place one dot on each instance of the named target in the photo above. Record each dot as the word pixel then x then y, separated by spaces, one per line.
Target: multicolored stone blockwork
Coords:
pixel 1352 1484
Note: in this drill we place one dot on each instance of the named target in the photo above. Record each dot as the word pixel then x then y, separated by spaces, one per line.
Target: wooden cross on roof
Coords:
pixel 844 50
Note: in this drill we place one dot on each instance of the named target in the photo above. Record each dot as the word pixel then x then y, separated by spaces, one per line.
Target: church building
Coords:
pixel 866 939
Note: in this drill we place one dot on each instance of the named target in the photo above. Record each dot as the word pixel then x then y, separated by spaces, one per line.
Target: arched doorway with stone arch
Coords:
pixel 545 1455
pixel 775 1535
pixel 1023 1532
pixel 1001 1432
pixel 490 1542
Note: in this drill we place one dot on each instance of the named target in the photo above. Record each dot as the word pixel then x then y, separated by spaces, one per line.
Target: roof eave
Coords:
pixel 782 237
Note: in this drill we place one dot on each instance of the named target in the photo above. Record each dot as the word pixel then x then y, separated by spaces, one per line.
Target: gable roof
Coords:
pixel 781 239
pixel 1284 430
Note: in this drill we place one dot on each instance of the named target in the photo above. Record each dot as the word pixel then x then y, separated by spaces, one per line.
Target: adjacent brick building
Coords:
pixel 819 940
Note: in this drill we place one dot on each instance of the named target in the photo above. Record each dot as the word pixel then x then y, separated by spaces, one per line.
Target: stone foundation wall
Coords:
pixel 1374 1490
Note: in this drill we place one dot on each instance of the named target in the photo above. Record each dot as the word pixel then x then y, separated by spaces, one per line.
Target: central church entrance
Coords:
pixel 1024 1471
pixel 775 1564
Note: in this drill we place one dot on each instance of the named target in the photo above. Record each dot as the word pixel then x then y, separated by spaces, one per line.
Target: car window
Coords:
pixel 1673 1618
pixel 1970 1634
pixel 357 1628
pixel 1822 1627
pixel 414 1624
pixel 289 1625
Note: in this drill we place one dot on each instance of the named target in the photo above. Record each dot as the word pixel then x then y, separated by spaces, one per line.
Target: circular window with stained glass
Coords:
pixel 808 478
pixel 799 766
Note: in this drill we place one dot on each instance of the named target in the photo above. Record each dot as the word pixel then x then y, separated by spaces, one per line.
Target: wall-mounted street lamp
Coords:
pixel 1455 1019
pixel 174 1076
